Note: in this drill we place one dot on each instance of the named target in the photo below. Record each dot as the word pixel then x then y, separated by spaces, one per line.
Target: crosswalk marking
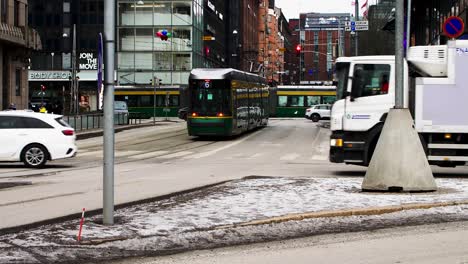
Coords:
pixel 290 156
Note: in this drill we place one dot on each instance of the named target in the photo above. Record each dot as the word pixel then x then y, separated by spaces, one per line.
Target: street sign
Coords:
pixel 208 38
pixel 357 28
pixel 357 23
pixel 454 27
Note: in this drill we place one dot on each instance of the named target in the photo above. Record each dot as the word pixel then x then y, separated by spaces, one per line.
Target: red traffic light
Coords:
pixel 298 50
pixel 43 88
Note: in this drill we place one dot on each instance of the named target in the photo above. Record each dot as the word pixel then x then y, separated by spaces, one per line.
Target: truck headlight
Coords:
pixel 336 142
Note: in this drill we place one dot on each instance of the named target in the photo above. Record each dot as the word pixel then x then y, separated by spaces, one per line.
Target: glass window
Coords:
pixel 282 101
pixel 18 82
pixel 210 98
pixel 146 100
pixel 30 122
pixel 370 80
pixel 162 13
pixel 181 13
pixel 66 7
pixel 144 39
pixel 126 14
pixel 328 99
pixel 144 14
pixel 143 61
pixel 313 100
pixel 341 76
pixel 126 60
pixel 127 39
pixel 296 100
pixel 9 122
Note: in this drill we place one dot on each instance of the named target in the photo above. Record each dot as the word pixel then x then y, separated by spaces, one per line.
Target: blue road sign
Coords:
pixel 454 27
pixel 311 71
pixel 353 23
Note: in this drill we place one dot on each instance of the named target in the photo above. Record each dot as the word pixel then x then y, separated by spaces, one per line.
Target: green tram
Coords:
pixel 141 100
pixel 292 101
pixel 226 102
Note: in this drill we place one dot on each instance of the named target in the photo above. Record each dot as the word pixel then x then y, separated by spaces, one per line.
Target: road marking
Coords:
pixel 97 153
pixel 175 155
pixel 214 151
pixel 127 153
pixel 319 157
pixel 291 156
pixel 148 155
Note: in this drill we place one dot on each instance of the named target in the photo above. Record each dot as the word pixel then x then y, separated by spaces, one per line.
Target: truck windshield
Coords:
pixel 342 73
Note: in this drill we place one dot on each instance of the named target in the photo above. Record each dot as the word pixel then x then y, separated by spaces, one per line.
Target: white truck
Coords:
pixel 436 92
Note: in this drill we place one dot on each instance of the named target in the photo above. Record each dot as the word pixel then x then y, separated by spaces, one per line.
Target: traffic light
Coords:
pixel 298 50
pixel 207 51
pixel 43 88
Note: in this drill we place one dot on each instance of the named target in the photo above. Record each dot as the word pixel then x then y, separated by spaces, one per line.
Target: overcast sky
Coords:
pixel 292 8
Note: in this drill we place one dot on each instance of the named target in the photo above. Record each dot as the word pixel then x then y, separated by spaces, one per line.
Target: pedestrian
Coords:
pixel 12 106
pixel 42 109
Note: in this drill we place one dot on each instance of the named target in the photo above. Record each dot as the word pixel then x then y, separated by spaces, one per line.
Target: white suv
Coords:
pixel 318 112
pixel 34 138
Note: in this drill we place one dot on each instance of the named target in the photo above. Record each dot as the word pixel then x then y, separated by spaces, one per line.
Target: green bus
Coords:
pixel 292 101
pixel 226 102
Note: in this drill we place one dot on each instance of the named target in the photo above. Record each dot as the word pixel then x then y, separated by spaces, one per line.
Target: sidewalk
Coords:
pixel 252 209
pixel 84 134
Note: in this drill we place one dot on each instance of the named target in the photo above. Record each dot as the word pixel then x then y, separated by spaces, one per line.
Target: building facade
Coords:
pixel 142 55
pixel 60 23
pixel 323 39
pixel 17 40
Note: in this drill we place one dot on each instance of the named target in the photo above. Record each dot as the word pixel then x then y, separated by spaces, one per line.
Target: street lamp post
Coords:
pixel 74 79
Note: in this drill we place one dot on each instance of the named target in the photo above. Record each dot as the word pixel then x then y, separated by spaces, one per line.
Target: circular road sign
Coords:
pixel 454 27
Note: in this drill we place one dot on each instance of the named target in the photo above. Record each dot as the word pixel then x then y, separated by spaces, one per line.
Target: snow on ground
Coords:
pixel 233 202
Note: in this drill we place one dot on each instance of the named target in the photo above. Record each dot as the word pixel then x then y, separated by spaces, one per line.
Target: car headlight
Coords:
pixel 336 142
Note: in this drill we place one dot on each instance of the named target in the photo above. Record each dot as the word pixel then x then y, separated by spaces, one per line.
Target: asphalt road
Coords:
pixel 443 243
pixel 160 160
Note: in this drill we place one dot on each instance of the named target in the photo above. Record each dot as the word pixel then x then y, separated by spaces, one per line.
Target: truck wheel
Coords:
pixel 315 118
pixel 34 156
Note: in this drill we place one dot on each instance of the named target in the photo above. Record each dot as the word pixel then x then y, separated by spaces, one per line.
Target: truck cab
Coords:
pixel 366 92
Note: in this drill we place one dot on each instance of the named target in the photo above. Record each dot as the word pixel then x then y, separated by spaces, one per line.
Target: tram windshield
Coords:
pixel 211 98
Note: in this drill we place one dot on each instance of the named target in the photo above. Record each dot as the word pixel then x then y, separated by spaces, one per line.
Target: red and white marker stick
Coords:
pixel 81 225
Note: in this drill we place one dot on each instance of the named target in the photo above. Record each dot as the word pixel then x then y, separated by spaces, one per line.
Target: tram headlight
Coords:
pixel 220 114
pixel 194 114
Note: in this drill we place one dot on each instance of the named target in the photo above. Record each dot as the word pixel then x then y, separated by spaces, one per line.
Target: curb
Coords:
pixel 344 213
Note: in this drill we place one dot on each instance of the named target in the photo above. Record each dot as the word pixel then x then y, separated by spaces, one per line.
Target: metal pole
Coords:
pixel 399 52
pixel 154 100
pixel 408 26
pixel 356 39
pixel 73 84
pixel 109 39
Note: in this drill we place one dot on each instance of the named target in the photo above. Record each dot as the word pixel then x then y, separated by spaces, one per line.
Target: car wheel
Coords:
pixel 315 118
pixel 34 156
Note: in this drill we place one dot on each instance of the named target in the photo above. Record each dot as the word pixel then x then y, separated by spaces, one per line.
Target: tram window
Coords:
pixel 146 100
pixel 328 99
pixel 296 101
pixel 132 101
pixel 313 100
pixel 282 101
pixel 174 100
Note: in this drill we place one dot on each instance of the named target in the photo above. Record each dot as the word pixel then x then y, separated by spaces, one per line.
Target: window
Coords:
pixel 370 80
pixel 18 82
pixel 30 122
pixel 66 7
pixel 16 10
pixel 282 101
pixel 4 11
pixel 296 101
pixel 328 99
pixel 313 100
pixel 9 122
